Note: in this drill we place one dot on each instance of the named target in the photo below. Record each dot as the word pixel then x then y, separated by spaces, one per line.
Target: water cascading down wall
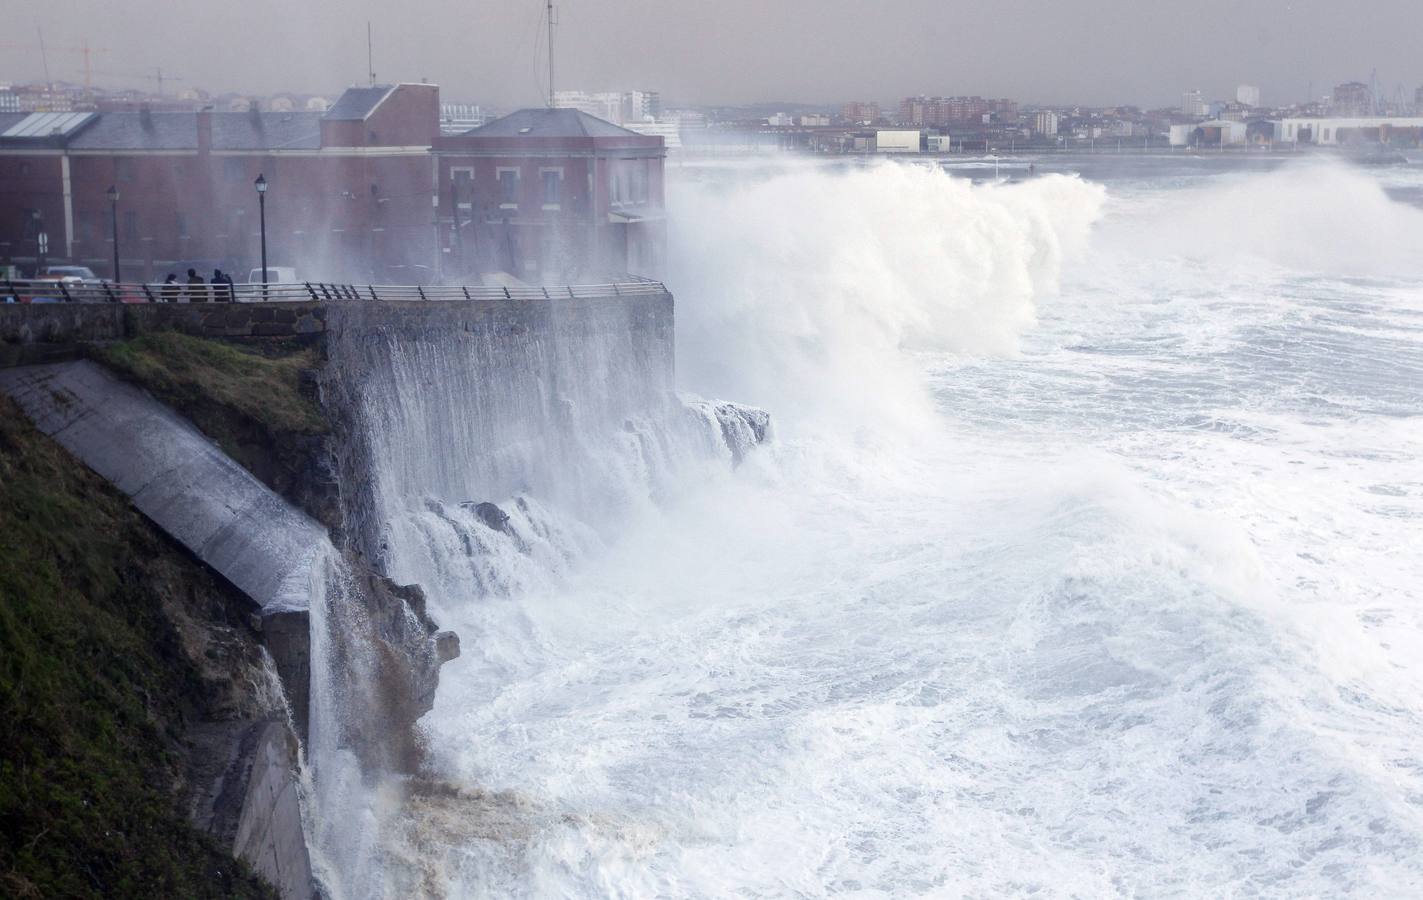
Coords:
pixel 465 434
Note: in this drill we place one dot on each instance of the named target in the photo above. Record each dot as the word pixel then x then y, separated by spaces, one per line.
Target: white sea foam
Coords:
pixel 1081 564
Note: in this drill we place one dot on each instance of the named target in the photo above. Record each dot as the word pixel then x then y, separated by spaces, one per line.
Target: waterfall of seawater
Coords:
pixel 498 453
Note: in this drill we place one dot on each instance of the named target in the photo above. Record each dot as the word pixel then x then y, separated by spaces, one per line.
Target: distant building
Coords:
pixel 1352 98
pixel 46 97
pixel 1247 95
pixel 1234 112
pixel 896 141
pixel 640 106
pixel 1213 133
pixel 933 112
pixel 1045 122
pixel 941 143
pixel 859 113
pixel 814 121
pixel 780 120
pixel 669 131
pixel 460 117
pixel 1418 101
pixel 618 107
pixel 1193 104
pixel 9 100
pixel 1332 132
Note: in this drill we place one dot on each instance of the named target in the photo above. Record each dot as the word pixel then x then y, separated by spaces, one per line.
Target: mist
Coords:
pixel 1112 51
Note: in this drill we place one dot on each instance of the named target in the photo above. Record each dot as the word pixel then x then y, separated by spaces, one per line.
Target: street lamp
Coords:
pixel 261 185
pixel 113 193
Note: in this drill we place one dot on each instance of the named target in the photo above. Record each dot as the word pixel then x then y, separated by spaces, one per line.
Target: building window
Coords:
pixel 182 225
pixel 462 186
pixel 123 169
pixel 234 169
pixel 131 225
pixel 508 187
pixel 639 183
pixel 24 169
pixel 552 186
pixel 617 190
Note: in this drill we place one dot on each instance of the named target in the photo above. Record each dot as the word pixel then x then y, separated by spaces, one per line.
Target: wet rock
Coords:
pixel 389 653
pixel 742 428
pixel 447 645
pixel 492 516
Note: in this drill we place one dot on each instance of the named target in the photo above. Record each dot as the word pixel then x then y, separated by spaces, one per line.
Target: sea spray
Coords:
pixel 1005 608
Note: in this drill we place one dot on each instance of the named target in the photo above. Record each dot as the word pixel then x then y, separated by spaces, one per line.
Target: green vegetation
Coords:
pixel 94 688
pixel 261 383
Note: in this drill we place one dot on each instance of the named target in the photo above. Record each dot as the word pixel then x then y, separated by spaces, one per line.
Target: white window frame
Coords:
pixel 454 179
pixel 544 170
pixel 499 180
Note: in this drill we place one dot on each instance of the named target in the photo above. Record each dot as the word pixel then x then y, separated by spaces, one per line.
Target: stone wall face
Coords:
pixel 34 333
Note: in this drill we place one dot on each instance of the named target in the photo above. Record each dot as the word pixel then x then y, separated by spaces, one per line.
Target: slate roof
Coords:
pixel 551 123
pixel 179 131
pixel 139 131
pixel 358 103
pixel 266 131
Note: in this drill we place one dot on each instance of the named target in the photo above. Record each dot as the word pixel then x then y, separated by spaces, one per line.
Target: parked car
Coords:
pixel 70 273
pixel 275 275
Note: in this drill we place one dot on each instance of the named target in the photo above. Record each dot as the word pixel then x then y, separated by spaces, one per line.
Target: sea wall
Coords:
pixel 489 396
pixel 32 333
pixel 497 392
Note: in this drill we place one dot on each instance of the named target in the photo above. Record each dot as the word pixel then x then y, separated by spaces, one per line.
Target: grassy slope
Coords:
pixel 193 374
pixel 93 691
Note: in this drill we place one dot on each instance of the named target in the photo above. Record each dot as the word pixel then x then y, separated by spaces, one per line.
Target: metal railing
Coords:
pixel 50 291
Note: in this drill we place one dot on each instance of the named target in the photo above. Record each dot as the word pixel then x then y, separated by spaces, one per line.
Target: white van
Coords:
pixel 275 275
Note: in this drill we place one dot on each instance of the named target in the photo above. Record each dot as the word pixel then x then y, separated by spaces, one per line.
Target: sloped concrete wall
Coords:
pixel 176 476
pixel 260 543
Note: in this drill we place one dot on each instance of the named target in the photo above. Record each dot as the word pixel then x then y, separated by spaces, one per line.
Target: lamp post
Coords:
pixel 261 185
pixel 113 193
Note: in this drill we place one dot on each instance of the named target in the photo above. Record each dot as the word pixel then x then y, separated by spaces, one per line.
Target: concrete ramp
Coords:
pixel 176 477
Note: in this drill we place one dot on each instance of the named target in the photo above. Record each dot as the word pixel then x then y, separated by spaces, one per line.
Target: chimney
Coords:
pixel 205 130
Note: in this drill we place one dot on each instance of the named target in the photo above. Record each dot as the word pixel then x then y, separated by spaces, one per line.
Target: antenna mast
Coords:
pixel 44 58
pixel 370 55
pixel 550 54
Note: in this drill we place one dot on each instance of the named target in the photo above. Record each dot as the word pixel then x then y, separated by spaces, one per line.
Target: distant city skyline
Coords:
pixel 1094 53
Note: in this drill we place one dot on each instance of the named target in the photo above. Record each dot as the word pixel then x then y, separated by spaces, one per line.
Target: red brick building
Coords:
pixel 555 194
pixel 367 191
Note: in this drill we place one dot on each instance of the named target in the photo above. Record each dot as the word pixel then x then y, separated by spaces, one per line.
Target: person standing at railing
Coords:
pixel 220 291
pixel 197 289
pixel 170 290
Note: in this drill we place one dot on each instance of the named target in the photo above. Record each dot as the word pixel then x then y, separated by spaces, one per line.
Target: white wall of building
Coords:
pixel 1325 132
pixel 896 142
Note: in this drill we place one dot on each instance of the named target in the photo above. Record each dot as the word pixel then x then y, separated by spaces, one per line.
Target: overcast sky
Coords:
pixel 730 51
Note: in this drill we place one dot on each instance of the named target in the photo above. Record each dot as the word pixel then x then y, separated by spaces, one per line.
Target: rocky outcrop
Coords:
pixel 387 653
pixel 741 428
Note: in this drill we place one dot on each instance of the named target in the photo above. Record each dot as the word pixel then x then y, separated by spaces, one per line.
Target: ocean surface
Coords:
pixel 1086 558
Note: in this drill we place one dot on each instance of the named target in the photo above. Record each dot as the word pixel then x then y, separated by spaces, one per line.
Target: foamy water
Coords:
pixel 1085 560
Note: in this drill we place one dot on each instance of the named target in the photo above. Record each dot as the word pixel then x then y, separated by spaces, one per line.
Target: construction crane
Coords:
pixel 86 50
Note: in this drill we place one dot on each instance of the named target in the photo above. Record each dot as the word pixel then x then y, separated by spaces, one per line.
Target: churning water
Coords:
pixel 1085 560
